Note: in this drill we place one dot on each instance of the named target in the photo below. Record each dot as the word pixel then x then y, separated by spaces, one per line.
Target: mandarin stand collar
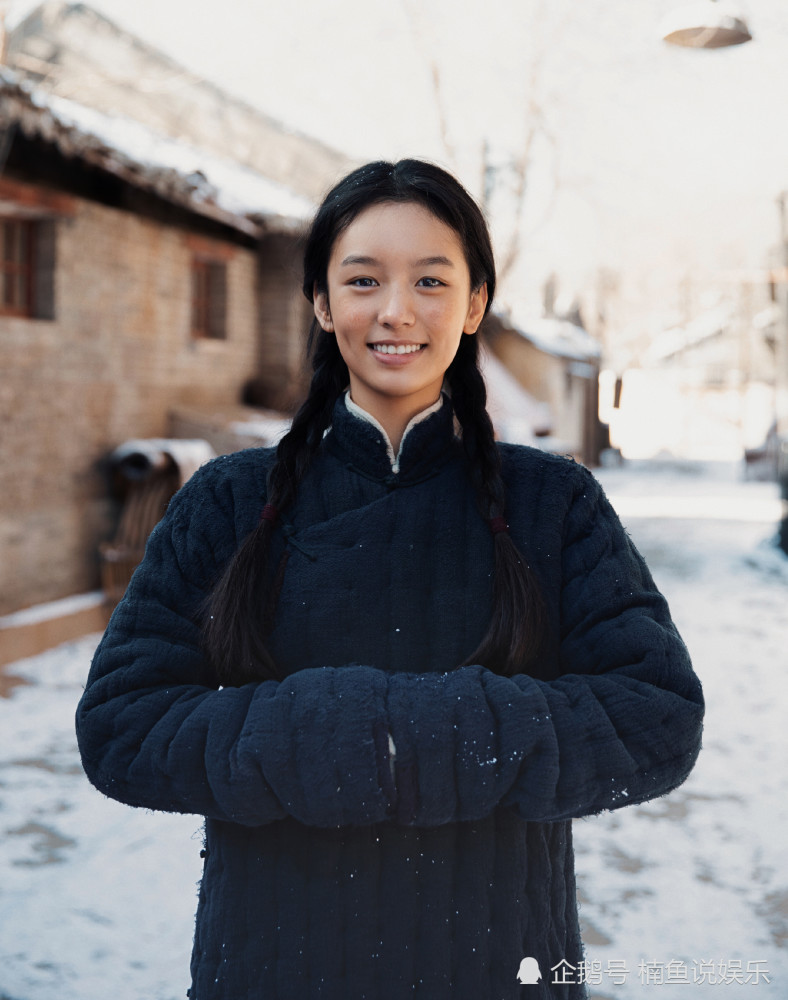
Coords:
pixel 364 446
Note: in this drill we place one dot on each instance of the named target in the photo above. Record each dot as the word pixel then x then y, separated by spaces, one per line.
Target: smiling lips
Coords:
pixel 397 348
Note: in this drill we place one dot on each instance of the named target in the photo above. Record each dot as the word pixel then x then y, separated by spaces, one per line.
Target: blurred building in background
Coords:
pixel 149 274
pixel 556 361
pixel 703 388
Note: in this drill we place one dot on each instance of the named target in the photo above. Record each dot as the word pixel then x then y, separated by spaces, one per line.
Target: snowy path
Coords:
pixel 699 878
pixel 97 900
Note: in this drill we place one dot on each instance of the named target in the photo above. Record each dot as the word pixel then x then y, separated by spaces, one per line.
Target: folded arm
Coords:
pixel 156 730
pixel 621 723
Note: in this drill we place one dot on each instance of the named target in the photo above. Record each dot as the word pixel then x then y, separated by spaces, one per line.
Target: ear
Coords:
pixel 322 312
pixel 476 309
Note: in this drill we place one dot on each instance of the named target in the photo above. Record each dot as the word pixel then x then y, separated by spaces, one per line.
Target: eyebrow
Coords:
pixel 358 259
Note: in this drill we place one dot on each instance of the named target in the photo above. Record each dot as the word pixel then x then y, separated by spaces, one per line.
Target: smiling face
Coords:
pixel 399 299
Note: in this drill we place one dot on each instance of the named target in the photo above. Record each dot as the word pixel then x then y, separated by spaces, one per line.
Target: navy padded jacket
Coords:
pixel 331 869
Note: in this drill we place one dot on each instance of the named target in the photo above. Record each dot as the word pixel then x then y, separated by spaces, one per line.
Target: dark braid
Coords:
pixel 517 625
pixel 297 448
pixel 469 396
pixel 240 611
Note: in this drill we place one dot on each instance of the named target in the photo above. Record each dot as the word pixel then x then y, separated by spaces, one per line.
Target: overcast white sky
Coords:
pixel 664 160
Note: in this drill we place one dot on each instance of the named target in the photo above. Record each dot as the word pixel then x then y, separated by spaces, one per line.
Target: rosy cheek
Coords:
pixel 355 318
pixel 439 315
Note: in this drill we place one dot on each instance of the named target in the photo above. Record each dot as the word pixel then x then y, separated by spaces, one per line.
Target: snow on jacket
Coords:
pixel 331 870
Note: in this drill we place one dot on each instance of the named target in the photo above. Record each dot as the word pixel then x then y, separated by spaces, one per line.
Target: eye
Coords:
pixel 430 282
pixel 363 282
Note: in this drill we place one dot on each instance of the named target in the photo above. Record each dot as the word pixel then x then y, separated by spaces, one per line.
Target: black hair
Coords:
pixel 234 633
pixel 406 181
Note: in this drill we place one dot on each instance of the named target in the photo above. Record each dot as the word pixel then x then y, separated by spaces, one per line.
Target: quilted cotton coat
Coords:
pixel 334 869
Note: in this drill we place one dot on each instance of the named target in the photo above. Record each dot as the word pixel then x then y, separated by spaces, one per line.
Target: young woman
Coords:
pixel 387 661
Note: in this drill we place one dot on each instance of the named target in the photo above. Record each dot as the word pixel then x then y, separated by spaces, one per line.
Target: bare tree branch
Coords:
pixel 534 128
pixel 413 13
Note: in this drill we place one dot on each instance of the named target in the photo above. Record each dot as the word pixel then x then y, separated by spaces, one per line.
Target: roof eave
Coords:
pixel 19 108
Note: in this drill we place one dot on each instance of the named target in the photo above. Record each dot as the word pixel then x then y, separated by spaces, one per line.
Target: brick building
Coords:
pixel 128 288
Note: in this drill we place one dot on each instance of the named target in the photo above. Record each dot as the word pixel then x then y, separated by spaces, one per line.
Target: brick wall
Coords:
pixel 117 357
pixel 285 320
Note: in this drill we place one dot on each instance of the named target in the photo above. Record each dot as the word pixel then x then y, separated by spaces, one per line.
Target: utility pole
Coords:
pixel 781 395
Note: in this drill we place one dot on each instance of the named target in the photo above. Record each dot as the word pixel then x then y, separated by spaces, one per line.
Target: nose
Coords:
pixel 396 307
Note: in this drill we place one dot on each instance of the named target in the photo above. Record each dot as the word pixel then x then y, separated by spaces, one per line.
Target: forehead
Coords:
pixel 395 231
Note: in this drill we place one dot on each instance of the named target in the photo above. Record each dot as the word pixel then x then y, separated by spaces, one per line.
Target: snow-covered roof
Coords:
pixel 175 170
pixel 767 318
pixel 679 338
pixel 517 417
pixel 556 336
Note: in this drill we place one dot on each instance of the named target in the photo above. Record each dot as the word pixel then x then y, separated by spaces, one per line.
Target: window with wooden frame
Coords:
pixel 27 263
pixel 16 267
pixel 209 298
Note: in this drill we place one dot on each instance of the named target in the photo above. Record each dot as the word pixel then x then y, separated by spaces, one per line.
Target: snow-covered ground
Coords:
pixel 699 878
pixel 97 900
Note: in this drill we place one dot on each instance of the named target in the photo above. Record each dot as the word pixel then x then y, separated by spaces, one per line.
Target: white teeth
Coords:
pixel 399 349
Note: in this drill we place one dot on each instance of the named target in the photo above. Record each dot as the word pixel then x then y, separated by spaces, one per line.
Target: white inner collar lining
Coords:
pixel 355 409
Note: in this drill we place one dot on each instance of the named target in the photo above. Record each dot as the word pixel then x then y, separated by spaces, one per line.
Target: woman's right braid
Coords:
pixel 297 448
pixel 240 611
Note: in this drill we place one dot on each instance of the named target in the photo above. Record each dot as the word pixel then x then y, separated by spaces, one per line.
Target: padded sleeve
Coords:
pixel 156 730
pixel 621 724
